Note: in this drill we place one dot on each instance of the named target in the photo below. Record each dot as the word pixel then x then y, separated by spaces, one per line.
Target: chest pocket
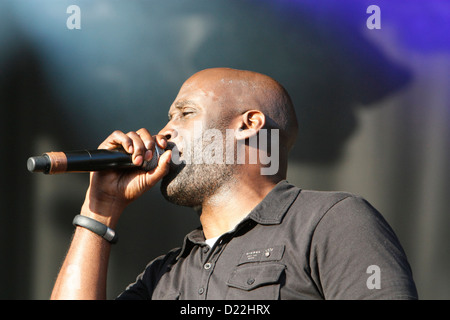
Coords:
pixel 255 281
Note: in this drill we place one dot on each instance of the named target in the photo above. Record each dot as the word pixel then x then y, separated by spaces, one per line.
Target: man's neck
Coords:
pixel 231 204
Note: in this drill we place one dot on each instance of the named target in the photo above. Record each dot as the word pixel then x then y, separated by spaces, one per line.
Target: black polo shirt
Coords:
pixel 295 244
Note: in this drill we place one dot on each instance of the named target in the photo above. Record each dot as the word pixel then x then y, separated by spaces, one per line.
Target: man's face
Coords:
pixel 197 109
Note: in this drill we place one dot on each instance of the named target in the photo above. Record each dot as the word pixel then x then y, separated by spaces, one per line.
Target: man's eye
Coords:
pixel 187 113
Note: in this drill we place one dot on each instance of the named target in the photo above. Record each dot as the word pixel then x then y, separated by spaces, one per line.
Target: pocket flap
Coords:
pixel 253 276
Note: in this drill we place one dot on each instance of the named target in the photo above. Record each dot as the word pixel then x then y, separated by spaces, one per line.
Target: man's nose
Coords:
pixel 168 133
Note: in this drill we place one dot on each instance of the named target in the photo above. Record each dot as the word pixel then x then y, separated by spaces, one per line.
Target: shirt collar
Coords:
pixel 269 211
pixel 274 206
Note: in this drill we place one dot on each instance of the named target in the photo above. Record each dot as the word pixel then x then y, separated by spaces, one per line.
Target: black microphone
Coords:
pixel 88 160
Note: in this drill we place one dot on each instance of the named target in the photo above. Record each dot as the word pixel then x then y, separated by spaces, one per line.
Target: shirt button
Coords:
pixel 250 281
pixel 201 290
pixel 207 266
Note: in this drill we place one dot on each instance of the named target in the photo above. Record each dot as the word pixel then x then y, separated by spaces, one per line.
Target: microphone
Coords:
pixel 88 160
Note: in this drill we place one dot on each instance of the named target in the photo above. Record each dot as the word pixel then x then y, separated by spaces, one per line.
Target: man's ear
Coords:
pixel 250 123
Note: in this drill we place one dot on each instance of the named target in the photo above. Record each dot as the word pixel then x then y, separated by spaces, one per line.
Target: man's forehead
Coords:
pixel 193 96
pixel 184 103
pixel 181 104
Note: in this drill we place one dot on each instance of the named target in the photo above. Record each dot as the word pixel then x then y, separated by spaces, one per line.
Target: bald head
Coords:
pixel 221 99
pixel 240 90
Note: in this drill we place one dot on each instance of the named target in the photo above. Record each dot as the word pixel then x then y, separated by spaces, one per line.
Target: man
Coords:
pixel 260 237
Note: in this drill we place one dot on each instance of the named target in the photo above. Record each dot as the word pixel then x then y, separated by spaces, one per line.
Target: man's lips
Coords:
pixel 173 147
pixel 177 158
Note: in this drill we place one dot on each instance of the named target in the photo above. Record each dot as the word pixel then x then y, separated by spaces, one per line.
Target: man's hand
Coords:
pixel 83 273
pixel 111 191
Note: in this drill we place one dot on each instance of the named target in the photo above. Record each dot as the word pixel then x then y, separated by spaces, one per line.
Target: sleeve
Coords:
pixel 142 288
pixel 356 255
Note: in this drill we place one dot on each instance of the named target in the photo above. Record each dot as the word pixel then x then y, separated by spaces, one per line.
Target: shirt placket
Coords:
pixel 210 257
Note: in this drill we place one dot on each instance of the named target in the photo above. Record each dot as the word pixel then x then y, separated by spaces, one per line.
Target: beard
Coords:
pixel 190 184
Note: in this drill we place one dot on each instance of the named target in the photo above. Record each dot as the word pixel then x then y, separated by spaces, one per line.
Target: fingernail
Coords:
pixel 148 155
pixel 138 160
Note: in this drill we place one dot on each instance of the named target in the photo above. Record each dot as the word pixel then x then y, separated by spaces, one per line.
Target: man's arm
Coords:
pixel 84 270
pixel 83 273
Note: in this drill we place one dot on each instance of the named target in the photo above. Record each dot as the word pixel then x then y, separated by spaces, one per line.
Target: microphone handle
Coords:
pixel 86 161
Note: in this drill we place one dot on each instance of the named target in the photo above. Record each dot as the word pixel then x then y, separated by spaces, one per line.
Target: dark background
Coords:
pixel 373 108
